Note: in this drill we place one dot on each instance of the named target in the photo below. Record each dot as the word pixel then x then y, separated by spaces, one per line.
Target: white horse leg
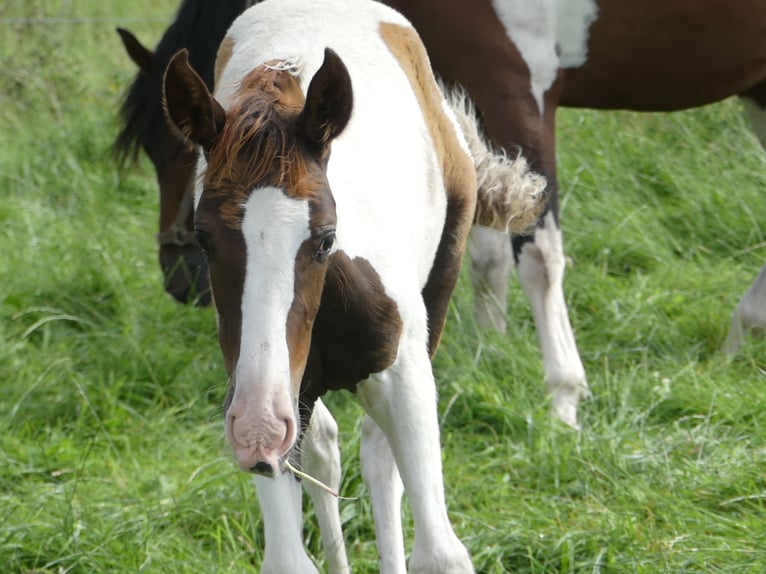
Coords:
pixel 402 401
pixel 281 509
pixel 750 316
pixel 320 458
pixel 541 273
pixel 491 264
pixel 385 486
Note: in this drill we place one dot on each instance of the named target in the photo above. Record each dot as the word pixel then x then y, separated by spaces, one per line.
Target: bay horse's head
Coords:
pixel 183 264
pixel 265 218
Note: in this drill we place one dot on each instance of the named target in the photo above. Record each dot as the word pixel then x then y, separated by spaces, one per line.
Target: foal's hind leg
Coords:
pixel 491 264
pixel 385 486
pixel 402 401
pixel 320 458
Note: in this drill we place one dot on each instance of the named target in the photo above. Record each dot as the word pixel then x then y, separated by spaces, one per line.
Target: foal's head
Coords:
pixel 265 218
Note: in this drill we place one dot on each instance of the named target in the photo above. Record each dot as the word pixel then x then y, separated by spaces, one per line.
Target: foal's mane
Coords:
pixel 200 25
pixel 259 143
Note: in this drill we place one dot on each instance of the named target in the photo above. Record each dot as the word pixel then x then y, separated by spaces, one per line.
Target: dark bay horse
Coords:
pixel 521 59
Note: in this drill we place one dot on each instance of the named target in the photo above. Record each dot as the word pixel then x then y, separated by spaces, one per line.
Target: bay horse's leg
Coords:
pixel 320 458
pixel 750 315
pixel 280 499
pixel 385 486
pixel 402 401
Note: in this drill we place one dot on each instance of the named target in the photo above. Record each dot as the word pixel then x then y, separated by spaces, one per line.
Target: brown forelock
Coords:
pixel 258 145
pixel 457 170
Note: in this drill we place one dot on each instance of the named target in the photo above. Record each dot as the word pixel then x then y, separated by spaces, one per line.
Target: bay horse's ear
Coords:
pixel 140 54
pixel 329 101
pixel 188 104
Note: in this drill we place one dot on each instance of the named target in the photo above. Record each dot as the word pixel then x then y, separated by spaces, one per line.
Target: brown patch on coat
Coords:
pixel 222 59
pixel 358 326
pixel 457 170
pixel 258 145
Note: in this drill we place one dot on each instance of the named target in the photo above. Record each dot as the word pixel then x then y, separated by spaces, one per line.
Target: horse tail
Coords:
pixel 511 197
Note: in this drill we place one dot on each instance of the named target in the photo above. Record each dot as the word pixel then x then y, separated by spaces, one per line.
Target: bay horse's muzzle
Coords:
pixel 185 274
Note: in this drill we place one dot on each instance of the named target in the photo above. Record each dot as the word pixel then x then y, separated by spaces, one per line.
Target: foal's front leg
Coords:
pixel 385 487
pixel 320 458
pixel 280 499
pixel 402 401
pixel 281 504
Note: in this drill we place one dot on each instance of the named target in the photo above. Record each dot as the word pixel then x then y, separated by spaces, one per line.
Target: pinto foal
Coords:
pixel 330 268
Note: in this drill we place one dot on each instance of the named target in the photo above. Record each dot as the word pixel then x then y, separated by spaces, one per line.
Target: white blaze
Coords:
pixel 274 227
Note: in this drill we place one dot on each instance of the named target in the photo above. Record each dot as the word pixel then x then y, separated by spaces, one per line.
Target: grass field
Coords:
pixel 112 454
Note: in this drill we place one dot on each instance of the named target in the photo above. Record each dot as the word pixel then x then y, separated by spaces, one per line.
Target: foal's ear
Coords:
pixel 188 104
pixel 329 100
pixel 140 54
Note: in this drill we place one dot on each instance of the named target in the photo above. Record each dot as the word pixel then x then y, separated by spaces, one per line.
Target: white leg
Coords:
pixel 491 264
pixel 541 273
pixel 385 486
pixel 750 315
pixel 402 401
pixel 280 500
pixel 320 458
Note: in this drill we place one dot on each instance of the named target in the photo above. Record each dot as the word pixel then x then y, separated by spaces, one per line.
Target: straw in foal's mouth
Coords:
pixel 312 480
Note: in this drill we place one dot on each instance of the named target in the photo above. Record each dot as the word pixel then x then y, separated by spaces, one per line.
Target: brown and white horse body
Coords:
pixel 330 268
pixel 521 59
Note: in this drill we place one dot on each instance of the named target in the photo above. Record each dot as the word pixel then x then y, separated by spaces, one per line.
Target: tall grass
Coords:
pixel 112 456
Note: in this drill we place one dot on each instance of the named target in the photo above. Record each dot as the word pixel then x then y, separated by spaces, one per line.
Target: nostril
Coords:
pixel 263 468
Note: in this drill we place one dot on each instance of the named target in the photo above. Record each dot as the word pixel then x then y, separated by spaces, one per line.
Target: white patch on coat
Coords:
pixel 574 18
pixel 540 28
pixel 531 26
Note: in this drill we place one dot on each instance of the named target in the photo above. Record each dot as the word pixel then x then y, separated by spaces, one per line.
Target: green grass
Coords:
pixel 112 455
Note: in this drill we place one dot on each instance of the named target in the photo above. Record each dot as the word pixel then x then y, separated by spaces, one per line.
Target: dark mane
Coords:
pixel 200 25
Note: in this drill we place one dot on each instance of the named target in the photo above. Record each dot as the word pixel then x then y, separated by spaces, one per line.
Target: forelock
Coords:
pixel 258 145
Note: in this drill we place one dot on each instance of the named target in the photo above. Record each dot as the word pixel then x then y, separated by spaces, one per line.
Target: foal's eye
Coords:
pixel 203 240
pixel 325 245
